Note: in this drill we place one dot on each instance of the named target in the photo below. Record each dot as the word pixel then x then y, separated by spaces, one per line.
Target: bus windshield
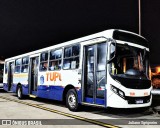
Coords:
pixel 130 63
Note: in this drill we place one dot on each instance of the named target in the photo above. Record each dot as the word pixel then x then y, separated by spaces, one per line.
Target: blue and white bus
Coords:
pixel 106 69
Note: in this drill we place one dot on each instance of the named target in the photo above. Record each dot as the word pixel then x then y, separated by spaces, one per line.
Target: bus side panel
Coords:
pixel 53 92
pixel 79 92
pixel 71 77
pixel 56 92
pixel 25 89
pixel 22 79
pixel 14 87
pixel 5 86
pixel 51 84
pixel 42 91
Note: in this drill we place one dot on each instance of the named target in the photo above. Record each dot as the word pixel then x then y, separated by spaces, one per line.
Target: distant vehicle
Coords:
pixel 156 83
pixel 106 69
pixel 1 73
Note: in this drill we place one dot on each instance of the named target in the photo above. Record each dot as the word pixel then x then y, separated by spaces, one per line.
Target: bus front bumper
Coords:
pixel 116 101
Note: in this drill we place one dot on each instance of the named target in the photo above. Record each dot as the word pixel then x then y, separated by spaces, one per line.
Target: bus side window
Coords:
pixel 55 60
pixel 43 61
pixel 17 66
pixel 71 57
pixel 24 67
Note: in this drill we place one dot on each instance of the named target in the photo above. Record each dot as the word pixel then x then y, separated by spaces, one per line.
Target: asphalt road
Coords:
pixel 119 117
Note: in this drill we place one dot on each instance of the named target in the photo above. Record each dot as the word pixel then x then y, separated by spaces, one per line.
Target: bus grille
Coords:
pixel 138 100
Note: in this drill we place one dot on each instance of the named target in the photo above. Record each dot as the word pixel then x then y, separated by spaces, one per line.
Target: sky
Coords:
pixel 27 25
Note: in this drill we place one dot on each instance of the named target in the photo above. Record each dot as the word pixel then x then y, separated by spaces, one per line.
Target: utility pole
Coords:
pixel 139 10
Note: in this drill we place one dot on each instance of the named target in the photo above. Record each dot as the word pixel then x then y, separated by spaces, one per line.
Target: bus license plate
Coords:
pixel 139 101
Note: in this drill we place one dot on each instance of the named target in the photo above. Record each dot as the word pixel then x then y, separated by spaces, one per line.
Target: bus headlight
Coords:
pixel 114 89
pixel 118 91
pixel 121 94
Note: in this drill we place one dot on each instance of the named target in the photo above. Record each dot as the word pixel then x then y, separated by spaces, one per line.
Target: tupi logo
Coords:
pixel 53 76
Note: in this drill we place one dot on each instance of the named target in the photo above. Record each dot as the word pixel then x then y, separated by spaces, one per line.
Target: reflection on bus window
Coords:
pixel 55 60
pixel 100 69
pixel 68 52
pixel 71 57
pixel 43 66
pixel 75 50
pixel 128 58
pixel 44 61
pixel 44 56
pixel 101 72
pixel 24 67
pixel 17 66
pixel 90 62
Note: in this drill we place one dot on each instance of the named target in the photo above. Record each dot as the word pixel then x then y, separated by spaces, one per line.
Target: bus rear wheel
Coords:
pixel 19 93
pixel 72 100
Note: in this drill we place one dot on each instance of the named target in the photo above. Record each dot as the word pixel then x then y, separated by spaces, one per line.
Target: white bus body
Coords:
pixel 107 69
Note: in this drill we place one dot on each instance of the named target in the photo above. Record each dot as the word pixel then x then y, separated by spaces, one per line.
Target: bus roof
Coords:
pixel 106 34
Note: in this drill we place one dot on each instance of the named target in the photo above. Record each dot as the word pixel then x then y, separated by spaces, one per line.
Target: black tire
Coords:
pixel 72 100
pixel 19 93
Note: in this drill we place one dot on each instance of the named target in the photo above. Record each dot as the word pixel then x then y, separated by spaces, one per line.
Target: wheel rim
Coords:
pixel 72 100
pixel 19 92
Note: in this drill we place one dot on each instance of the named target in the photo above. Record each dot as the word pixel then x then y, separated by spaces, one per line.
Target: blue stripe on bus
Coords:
pixel 43 91
pixel 14 87
pixel 100 101
pixel 88 100
pixel 79 93
pixel 54 92
pixel 50 92
pixel 5 86
pixel 25 89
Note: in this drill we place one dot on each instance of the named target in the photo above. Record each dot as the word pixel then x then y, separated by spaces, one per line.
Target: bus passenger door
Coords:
pixel 94 74
pixel 33 75
pixel 10 75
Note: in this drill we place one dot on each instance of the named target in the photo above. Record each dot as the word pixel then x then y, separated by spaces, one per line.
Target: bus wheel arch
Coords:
pixel 66 89
pixel 70 98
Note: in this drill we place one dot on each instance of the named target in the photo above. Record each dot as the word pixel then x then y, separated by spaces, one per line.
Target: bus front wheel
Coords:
pixel 72 100
pixel 19 93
